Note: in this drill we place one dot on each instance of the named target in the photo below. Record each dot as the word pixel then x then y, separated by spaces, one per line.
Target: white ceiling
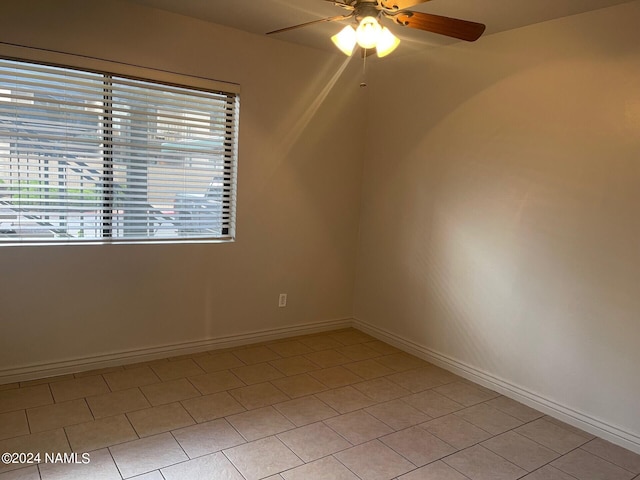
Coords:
pixel 261 16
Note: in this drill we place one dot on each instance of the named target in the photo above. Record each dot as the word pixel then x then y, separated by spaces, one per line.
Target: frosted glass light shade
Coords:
pixel 387 43
pixel 345 40
pixel 368 32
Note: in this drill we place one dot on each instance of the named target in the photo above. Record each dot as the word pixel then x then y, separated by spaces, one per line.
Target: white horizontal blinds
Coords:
pixel 171 161
pixel 104 157
pixel 50 152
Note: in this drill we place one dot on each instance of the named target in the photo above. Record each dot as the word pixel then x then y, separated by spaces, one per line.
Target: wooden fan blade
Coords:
pixel 400 4
pixel 329 19
pixel 451 27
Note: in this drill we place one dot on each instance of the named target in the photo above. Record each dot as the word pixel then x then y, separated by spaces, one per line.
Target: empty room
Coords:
pixel 311 239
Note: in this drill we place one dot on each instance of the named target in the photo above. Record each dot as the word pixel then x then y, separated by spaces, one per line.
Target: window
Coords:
pixel 95 157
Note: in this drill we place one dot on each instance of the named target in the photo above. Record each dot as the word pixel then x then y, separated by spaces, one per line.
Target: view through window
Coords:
pixel 94 157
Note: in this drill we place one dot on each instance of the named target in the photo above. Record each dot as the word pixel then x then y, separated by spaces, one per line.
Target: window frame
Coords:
pixel 108 68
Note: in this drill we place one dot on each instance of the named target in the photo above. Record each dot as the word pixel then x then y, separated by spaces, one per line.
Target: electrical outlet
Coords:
pixel 282 300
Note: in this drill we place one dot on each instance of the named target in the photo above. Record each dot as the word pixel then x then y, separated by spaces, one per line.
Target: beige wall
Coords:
pixel 298 198
pixel 500 222
pixel 498 227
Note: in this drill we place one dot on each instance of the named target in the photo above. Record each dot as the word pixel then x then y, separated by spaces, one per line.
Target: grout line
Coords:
pixel 114 462
pixel 53 399
pixel 550 462
pixel 345 466
pixel 26 416
pixel 104 380
pixel 67 438
pixel 352 385
pixel 351 445
pixel 181 448
pixel 514 430
pixel 194 386
pixel 456 470
pixel 195 422
pixel 231 462
pixel 605 459
pixel 93 418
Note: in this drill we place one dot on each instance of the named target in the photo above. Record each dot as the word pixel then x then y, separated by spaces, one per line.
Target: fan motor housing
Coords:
pixel 366 8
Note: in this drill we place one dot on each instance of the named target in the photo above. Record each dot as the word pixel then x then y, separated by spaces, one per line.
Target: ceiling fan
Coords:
pixel 370 35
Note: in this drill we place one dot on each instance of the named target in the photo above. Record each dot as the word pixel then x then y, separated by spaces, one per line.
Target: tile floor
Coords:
pixel 338 405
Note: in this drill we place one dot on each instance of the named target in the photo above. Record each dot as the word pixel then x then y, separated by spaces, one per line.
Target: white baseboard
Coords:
pixel 77 365
pixel 563 413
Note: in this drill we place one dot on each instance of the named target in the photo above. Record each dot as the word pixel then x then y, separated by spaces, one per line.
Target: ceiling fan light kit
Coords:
pixel 345 40
pixel 368 32
pixel 387 43
pixel 371 35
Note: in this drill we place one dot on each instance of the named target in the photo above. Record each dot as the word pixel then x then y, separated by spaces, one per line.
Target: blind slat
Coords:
pixel 91 157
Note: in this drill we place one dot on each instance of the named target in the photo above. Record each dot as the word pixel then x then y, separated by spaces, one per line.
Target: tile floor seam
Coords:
pixel 454 468
pixel 237 431
pixel 514 430
pixel 114 462
pixel 467 448
pixel 579 447
pixel 246 440
pixel 316 460
pixel 239 359
pixel 67 438
pixel 533 440
pixel 560 455
pixel 435 461
pixel 195 422
pixel 188 379
pixel 230 461
pixel 28 422
pixel 351 445
pixel 89 405
pixel 93 418
pixel 145 397
pixel 472 405
pixel 235 376
pixel 403 455
pixel 105 381
pixel 491 435
pixel 288 448
pixel 133 426
pixel 183 450
pixel 549 465
pixel 528 472
pixel 582 439
pixel 390 426
pixel 53 399
pixel 345 466
pixel 476 445
pixel 444 441
pixel 606 459
pixel 280 390
pixel 500 409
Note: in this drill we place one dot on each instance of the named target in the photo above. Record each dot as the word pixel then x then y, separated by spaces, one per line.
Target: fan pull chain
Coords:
pixel 363 83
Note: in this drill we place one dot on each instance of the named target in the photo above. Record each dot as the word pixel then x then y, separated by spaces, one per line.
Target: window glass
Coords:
pixel 96 157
